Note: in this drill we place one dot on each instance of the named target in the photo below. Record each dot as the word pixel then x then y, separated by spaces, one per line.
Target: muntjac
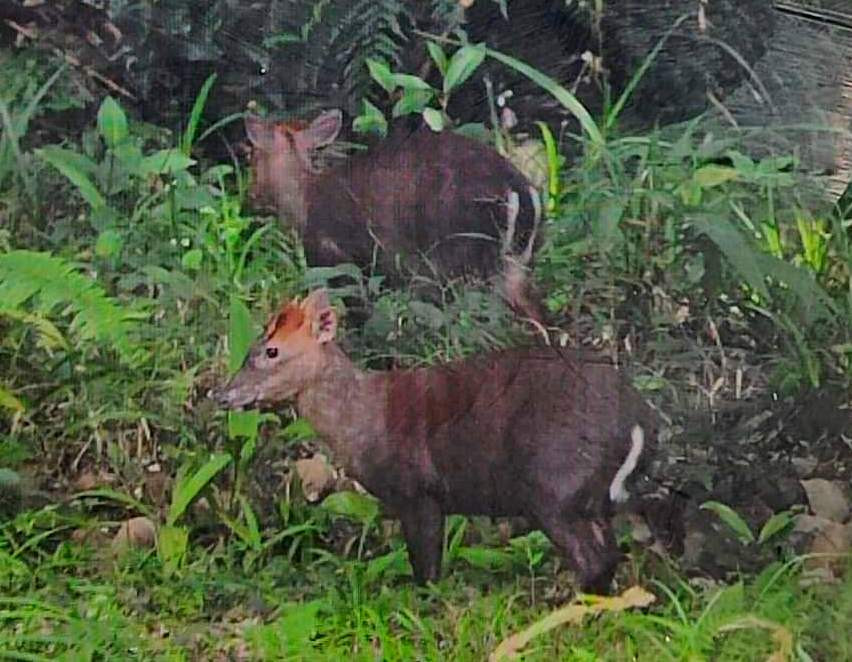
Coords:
pixel 520 432
pixel 419 202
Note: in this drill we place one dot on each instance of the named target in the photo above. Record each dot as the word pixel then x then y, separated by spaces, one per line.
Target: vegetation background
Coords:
pixel 138 522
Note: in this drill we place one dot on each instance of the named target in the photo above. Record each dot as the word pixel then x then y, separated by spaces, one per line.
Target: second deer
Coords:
pixel 419 199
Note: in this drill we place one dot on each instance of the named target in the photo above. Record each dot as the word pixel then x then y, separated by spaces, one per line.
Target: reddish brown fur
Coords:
pixel 438 196
pixel 526 432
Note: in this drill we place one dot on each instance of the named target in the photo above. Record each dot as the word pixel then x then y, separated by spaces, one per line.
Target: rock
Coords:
pixel 827 499
pixel 136 532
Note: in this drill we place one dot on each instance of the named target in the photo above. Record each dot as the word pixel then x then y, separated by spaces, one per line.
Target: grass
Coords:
pixel 77 601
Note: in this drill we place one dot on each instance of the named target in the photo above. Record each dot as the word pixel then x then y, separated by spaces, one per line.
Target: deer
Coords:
pixel 532 432
pixel 420 203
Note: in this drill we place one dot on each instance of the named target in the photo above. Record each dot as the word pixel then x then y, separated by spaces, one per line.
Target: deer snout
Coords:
pixel 232 395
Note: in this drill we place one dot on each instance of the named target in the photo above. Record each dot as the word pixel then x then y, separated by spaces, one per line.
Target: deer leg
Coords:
pixel 590 548
pixel 423 529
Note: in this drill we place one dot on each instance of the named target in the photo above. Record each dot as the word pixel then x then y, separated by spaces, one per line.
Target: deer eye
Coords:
pixel 271 352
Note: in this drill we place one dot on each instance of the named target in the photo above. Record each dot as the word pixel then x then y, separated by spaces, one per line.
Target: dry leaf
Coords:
pixel 316 474
pixel 632 598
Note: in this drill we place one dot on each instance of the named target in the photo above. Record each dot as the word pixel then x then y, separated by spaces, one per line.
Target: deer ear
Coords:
pixel 322 317
pixel 324 129
pixel 260 132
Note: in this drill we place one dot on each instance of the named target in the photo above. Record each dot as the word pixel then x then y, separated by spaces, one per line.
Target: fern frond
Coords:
pixel 45 281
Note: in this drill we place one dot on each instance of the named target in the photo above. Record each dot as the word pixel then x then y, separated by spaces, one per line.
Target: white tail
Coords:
pixel 617 492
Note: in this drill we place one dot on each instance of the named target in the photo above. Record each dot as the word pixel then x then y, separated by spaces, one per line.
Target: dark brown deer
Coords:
pixel 523 432
pixel 417 203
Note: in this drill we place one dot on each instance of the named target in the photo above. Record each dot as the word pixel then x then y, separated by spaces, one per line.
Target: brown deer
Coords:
pixel 419 202
pixel 521 432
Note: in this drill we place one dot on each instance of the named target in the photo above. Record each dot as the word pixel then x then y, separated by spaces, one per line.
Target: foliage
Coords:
pixel 46 281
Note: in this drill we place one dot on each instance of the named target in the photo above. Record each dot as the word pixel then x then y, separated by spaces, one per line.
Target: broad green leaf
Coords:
pixel 109 244
pixel 462 65
pixel 243 423
pixel 387 566
pixel 192 259
pixel 428 313
pixel 485 558
pixel 714 175
pixel 188 488
pixel 412 101
pixel 814 302
pixel 9 401
pixel 165 161
pixel 118 497
pixel 774 525
pixel 438 56
pixel 382 74
pixel 434 118
pixel 736 249
pixel 371 120
pixel 299 430
pixel 172 544
pixel 67 162
pixel 736 523
pixel 112 122
pixel 409 82
pixel 360 507
pixel 240 334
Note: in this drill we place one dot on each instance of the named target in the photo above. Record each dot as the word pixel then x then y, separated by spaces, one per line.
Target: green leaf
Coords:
pixel 109 244
pixel 382 74
pixel 192 259
pixel 9 401
pixel 360 507
pixel 164 162
pixel 112 122
pixel 714 175
pixel 252 528
pixel 371 120
pixel 188 489
pixel 243 423
pixel 462 65
pixel 240 334
pixel 172 544
pixel 609 217
pixel 299 430
pixel 387 566
pixel 434 118
pixel 67 163
pixel 428 313
pixel 774 525
pixel 736 249
pixel 195 116
pixel 485 558
pixel 408 82
pixel 438 56
pixel 412 101
pixel 736 523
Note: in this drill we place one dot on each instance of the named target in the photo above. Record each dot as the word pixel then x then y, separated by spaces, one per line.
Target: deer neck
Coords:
pixel 292 199
pixel 343 405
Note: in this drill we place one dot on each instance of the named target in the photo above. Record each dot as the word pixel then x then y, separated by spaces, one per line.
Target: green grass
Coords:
pixel 76 602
